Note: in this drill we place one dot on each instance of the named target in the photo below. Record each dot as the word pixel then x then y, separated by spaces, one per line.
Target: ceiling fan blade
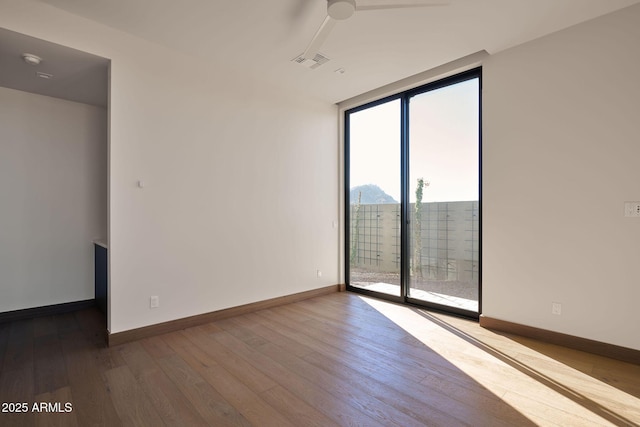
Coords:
pixel 400 5
pixel 319 38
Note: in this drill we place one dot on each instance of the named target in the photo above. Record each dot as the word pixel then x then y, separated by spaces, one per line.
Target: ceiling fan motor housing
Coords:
pixel 341 9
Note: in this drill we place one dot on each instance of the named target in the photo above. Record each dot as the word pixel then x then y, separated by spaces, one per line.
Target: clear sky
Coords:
pixel 443 147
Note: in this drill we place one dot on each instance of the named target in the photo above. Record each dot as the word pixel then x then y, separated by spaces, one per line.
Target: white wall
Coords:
pixel 214 149
pixel 241 180
pixel 560 156
pixel 53 198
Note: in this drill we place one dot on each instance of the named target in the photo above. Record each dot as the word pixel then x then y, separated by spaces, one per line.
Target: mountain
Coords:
pixel 371 195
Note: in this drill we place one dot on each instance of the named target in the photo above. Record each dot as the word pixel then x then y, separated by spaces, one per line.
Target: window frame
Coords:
pixel 405 97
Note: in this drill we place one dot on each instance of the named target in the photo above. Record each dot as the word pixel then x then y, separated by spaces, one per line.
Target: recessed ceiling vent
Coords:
pixel 45 76
pixel 317 60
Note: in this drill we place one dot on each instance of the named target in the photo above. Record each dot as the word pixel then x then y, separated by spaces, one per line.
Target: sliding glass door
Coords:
pixel 374 198
pixel 413 191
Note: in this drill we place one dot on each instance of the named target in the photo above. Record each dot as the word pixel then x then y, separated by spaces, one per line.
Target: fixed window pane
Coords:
pixel 444 195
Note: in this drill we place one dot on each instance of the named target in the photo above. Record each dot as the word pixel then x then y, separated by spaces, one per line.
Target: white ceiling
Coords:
pixel 259 38
pixel 77 76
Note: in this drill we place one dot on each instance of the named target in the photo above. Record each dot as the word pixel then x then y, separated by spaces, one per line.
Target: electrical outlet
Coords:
pixel 154 301
pixel 632 209
pixel 318 274
pixel 556 308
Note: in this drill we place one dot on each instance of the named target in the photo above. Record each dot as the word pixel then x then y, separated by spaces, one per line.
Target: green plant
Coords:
pixel 417 229
pixel 356 230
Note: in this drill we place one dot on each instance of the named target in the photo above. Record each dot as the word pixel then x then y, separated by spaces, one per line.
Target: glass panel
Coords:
pixel 444 193
pixel 374 179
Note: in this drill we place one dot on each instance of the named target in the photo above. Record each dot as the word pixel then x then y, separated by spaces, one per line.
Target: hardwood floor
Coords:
pixel 335 360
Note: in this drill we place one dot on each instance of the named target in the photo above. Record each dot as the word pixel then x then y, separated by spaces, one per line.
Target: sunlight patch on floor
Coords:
pixel 429 296
pixel 494 360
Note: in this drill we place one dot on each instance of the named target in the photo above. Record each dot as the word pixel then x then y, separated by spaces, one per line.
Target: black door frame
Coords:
pixel 405 97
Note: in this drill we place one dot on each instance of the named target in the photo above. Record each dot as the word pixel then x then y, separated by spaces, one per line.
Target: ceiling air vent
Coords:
pixel 317 60
pixel 45 76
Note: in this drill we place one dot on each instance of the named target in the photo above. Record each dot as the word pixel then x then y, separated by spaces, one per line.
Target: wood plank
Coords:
pixel 156 347
pixel 295 409
pixel 248 403
pixel 208 349
pixel 50 370
pixel 91 397
pixel 43 326
pixel 55 409
pixel 4 340
pixel 109 357
pixel 625 377
pixel 253 324
pixel 208 402
pixel 343 388
pixel 434 337
pixel 16 386
pixel 93 325
pixel 240 332
pixel 19 347
pixel 554 402
pixel 338 359
pixel 129 400
pixel 170 404
pixel 384 407
pixel 414 359
pixel 338 362
pixel 380 356
pixel 66 323
pixel 342 412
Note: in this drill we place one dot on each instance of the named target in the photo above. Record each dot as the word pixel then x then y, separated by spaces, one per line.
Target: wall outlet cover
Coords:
pixel 632 209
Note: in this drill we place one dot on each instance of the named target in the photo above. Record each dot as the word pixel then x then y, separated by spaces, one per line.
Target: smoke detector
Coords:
pixel 31 59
